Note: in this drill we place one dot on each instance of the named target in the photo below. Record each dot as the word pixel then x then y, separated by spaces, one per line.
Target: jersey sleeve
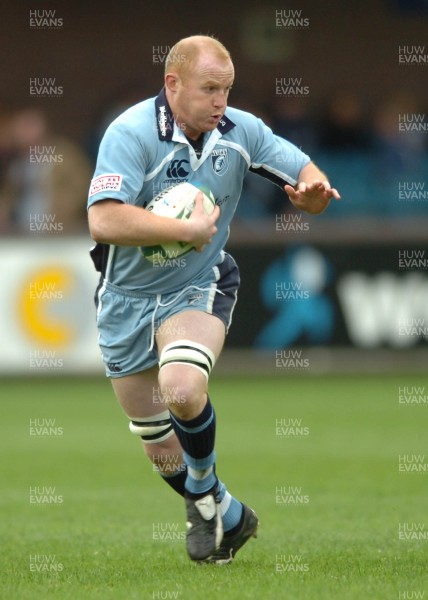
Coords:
pixel 275 158
pixel 120 169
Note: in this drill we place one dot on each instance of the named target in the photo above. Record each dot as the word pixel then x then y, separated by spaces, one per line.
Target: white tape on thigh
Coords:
pixel 154 429
pixel 186 352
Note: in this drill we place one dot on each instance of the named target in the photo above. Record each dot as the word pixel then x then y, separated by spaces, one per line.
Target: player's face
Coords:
pixel 201 98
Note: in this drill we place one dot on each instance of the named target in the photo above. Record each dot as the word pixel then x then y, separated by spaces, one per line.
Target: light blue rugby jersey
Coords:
pixel 143 152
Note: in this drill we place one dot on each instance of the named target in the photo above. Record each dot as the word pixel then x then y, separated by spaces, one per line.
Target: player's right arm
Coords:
pixel 113 213
pixel 113 222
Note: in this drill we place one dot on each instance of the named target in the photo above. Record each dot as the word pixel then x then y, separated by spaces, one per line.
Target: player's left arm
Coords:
pixel 313 191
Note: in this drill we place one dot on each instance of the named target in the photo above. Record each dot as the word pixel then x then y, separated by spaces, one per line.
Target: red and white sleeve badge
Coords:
pixel 111 182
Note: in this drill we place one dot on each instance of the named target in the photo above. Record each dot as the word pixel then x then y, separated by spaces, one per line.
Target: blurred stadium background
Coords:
pixel 331 322
pixel 346 290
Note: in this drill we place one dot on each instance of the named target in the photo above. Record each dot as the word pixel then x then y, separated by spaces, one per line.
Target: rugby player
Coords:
pixel 162 328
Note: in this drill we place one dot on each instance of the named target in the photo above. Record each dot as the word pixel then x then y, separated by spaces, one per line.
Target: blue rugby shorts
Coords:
pixel 127 320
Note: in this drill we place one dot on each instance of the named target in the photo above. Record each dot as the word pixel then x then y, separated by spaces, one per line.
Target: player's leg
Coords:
pixel 124 322
pixel 185 365
pixel 142 402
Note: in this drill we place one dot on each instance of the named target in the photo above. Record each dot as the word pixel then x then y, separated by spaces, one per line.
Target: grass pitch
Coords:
pixel 85 517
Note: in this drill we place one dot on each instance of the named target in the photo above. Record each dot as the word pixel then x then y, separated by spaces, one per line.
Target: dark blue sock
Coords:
pixel 197 438
pixel 176 480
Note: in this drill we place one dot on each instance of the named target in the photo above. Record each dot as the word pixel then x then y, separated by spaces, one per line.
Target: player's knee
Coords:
pixel 187 352
pixel 179 391
pixel 186 386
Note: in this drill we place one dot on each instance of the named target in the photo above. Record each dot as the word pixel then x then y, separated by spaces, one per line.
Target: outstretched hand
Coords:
pixel 312 197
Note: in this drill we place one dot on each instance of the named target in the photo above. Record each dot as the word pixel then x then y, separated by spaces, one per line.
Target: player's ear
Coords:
pixel 171 81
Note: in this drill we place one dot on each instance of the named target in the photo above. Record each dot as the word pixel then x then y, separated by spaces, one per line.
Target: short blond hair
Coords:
pixel 185 53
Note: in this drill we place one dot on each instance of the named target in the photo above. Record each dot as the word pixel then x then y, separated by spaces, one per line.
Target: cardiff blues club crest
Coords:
pixel 220 161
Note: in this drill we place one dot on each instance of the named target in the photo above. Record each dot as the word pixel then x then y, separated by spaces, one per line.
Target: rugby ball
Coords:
pixel 176 202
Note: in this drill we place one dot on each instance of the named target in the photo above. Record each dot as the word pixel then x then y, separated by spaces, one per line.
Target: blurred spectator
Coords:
pixel 292 121
pixel 111 108
pixel 400 154
pixel 46 179
pixel 399 149
pixel 6 155
pixel 344 125
pixel 260 199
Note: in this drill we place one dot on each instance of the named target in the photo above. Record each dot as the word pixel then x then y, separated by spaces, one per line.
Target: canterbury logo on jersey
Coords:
pixel 176 169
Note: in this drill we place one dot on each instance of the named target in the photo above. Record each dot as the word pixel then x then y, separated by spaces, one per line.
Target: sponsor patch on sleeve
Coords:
pixel 111 182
